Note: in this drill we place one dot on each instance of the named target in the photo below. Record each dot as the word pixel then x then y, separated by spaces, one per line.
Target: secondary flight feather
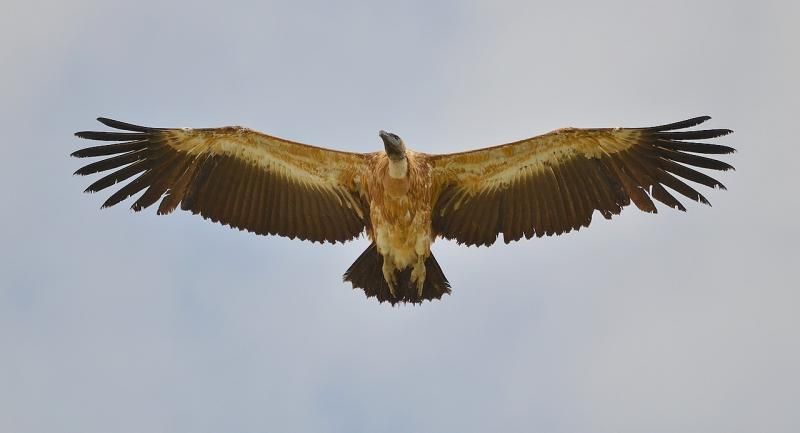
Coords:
pixel 403 200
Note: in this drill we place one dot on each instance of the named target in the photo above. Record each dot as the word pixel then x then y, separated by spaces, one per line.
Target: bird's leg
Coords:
pixel 388 275
pixel 418 274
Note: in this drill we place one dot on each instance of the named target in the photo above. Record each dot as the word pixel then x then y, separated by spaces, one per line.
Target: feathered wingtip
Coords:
pixel 669 134
pixel 126 126
pixel 683 124
pixel 679 152
pixel 133 140
pixel 134 151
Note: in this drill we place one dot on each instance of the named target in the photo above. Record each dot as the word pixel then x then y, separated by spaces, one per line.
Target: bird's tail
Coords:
pixel 366 273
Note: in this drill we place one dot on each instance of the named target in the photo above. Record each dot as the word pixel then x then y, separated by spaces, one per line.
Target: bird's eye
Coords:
pixel 395 136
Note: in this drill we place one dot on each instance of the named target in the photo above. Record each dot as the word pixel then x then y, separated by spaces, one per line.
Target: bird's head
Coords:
pixel 394 145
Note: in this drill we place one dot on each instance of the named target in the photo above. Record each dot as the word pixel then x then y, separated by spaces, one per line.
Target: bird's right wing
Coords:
pixel 553 183
pixel 234 176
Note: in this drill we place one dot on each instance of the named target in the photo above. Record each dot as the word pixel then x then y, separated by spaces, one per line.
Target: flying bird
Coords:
pixel 541 186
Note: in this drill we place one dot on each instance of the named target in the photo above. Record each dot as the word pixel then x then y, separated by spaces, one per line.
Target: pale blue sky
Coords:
pixel 111 321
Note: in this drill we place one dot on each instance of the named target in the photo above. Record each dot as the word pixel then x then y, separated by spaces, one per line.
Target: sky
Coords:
pixel 115 321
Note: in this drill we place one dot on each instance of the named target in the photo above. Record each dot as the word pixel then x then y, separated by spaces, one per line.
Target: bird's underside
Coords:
pixel 545 185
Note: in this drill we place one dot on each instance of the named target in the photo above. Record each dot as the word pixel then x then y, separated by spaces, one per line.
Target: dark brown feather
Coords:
pixel 110 136
pixel 633 190
pixel 596 197
pixel 692 135
pixel 517 199
pixel 661 194
pixel 178 190
pixel 571 215
pixel 528 226
pixel 117 176
pixel 126 126
pixel 110 149
pixel 166 176
pixel 688 146
pixel 690 174
pixel 292 214
pixel 695 160
pixel 579 191
pixel 260 206
pixel 132 188
pixel 679 186
pixel 245 207
pixel 113 162
pixel 549 201
pixel 688 123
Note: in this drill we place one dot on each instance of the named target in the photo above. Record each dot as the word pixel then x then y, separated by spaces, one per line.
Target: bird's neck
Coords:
pixel 398 169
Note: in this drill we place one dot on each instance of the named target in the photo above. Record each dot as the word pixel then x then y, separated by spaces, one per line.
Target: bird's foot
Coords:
pixel 418 275
pixel 390 277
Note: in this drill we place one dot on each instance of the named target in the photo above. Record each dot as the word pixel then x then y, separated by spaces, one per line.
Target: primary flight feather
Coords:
pixel 545 185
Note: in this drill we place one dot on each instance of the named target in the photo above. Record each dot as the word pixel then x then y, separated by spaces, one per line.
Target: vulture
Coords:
pixel 541 186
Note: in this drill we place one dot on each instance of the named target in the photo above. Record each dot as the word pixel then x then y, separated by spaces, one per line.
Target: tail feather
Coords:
pixel 366 273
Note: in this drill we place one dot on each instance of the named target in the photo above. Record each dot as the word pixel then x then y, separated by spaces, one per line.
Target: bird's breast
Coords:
pixel 400 209
pixel 396 188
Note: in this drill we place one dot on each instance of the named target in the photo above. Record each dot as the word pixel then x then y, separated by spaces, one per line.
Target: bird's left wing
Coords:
pixel 553 183
pixel 234 176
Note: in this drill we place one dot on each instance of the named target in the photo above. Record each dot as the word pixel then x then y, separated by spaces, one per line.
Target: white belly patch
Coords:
pixel 404 242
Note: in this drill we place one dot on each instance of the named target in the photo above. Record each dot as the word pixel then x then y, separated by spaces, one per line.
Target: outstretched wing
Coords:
pixel 553 183
pixel 234 176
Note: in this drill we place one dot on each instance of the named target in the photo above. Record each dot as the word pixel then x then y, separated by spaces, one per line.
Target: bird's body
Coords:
pixel 401 202
pixel 404 200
